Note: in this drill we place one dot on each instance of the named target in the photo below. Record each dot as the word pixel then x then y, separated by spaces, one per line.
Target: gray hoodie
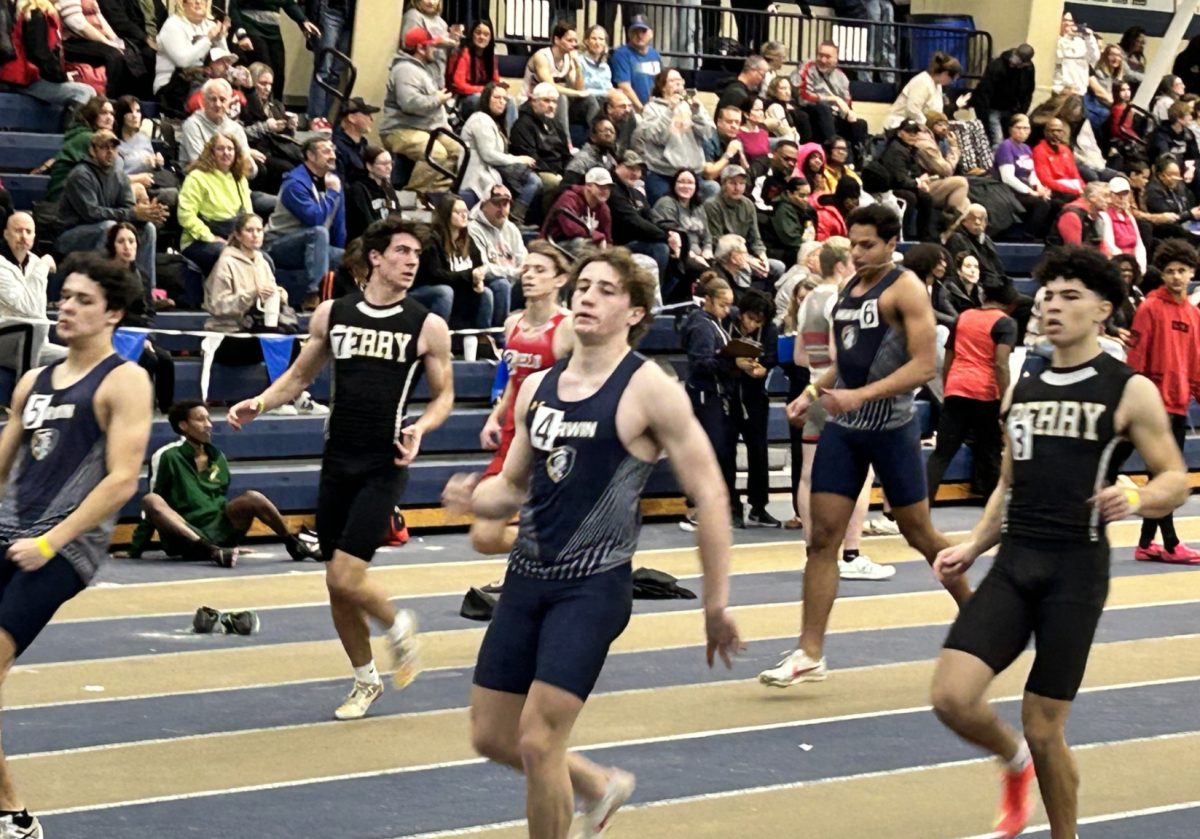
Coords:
pixel 671 138
pixel 411 101
pixel 93 194
pixel 501 248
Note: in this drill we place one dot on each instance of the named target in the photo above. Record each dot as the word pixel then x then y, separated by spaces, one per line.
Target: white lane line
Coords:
pixel 615 744
pixel 887 773
pixel 1101 819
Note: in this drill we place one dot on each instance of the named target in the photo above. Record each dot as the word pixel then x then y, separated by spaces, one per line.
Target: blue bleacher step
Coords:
pixel 21 151
pixel 25 189
pixel 19 112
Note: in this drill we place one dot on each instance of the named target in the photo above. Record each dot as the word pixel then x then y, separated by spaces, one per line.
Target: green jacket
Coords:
pixel 74 149
pixel 199 499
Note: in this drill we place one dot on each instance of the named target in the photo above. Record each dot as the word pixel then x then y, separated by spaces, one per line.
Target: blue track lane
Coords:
pixel 462 796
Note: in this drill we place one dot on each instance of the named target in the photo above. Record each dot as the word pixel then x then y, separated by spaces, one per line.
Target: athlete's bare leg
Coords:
pixel 1045 722
pixel 808 451
pixel 959 685
pixel 243 510
pixel 166 521
pixel 352 599
pixel 9 800
pixel 918 531
pixel 830 515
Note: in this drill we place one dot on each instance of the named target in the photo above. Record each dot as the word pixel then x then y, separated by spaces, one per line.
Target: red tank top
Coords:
pixel 525 353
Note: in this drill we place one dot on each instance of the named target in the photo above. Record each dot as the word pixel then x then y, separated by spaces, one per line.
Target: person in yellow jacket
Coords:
pixel 215 193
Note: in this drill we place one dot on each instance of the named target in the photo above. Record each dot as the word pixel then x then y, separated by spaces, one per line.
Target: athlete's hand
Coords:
pixel 243 413
pixel 797 409
pixel 456 497
pixel 722 635
pixel 839 401
pixel 1113 503
pixel 25 555
pixel 489 438
pixel 408 446
pixel 953 562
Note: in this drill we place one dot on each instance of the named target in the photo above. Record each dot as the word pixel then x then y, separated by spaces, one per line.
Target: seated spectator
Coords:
pixel 618 108
pixel 791 222
pixel 774 183
pixel 213 118
pixel 947 142
pixel 242 278
pixel 810 165
pixel 1168 93
pixel 96 196
pixel 732 212
pixel 426 16
pixel 121 245
pixel 834 208
pixel 636 63
pixel 1177 138
pixel 486 135
pixel 184 41
pixel 538 135
pixel 355 122
pixel 89 39
pixel 189 505
pixel 414 106
pixel 632 225
pixel 580 215
pixel 924 92
pixel 473 66
pixel 451 259
pixel 746 85
pixel 755 138
pixel 600 150
pixel 672 133
pixel 1015 167
pixel 1005 90
pixel 1133 44
pixel 1054 163
pixel 144 166
pixel 215 194
pixel 219 64
pixel 24 276
pixel 558 65
pixel 1079 223
pixel 826 91
pixel 597 74
pixel 784 116
pixel 931 263
pixel 307 230
pixel 971 237
pixel 732 261
pixel 681 210
pixel 1169 200
pixel 1121 234
pixel 912 162
pixel 37 64
pixel 1122 318
pixel 1099 99
pixel 372 198
pixel 966 271
pixel 723 148
pixel 97 114
pixel 499 242
pixel 837 163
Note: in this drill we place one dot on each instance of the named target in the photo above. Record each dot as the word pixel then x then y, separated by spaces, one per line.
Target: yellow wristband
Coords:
pixel 44 547
pixel 812 391
pixel 1133 498
pixel 261 403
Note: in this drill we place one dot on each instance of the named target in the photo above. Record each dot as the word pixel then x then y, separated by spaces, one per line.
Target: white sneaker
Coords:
pixel 862 568
pixel 305 405
pixel 355 706
pixel 880 527
pixel 795 668
pixel 405 651
pixel 20 826
pixel 596 818
pixel 287 409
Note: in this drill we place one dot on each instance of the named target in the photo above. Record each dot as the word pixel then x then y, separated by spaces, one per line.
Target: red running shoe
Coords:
pixel 1016 803
pixel 1150 554
pixel 1182 555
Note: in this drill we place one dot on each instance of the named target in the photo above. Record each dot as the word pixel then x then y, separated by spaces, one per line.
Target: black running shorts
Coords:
pixel 354 508
pixel 554 631
pixel 1054 593
pixel 29 599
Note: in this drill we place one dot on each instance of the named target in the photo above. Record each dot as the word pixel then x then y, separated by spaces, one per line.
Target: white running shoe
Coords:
pixel 795 668
pixel 595 819
pixel 355 706
pixel 305 405
pixel 405 658
pixel 862 568
pixel 20 826
pixel 880 527
pixel 287 409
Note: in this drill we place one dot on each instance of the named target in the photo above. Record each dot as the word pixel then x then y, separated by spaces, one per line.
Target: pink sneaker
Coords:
pixel 1150 554
pixel 1182 555
pixel 319 124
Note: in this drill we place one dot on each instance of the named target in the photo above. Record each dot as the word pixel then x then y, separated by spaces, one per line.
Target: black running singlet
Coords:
pixel 1061 434
pixel 375 367
pixel 585 489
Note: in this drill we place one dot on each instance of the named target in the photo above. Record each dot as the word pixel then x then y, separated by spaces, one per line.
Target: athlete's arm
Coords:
pixel 122 405
pixel 489 437
pixel 433 345
pixel 296 379
pixel 501 496
pixel 671 422
pixel 1142 418
pixel 10 438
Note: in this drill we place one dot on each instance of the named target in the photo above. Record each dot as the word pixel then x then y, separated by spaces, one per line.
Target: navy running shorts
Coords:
pixel 844 455
pixel 1052 592
pixel 29 599
pixel 354 508
pixel 554 631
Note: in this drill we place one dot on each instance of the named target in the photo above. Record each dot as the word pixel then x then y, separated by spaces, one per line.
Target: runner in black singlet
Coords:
pixel 70 457
pixel 1048 514
pixel 379 340
pixel 588 434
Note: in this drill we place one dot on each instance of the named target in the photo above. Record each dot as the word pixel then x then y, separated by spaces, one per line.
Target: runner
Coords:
pixel 379 340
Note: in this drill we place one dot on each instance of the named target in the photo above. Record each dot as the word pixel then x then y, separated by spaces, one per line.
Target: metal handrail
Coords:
pixel 455 178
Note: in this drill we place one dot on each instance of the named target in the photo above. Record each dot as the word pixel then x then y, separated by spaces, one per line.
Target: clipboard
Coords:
pixel 741 348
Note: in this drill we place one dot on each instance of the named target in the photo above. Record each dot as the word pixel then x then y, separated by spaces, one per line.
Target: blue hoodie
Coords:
pixel 301 205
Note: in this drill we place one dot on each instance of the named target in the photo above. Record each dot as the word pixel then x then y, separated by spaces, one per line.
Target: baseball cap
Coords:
pixel 631 158
pixel 356 105
pixel 638 22
pixel 418 37
pixel 218 54
pixel 599 176
pixel 732 172
pixel 1118 184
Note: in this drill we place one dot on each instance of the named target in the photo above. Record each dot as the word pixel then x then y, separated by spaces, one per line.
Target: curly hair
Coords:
pixel 1088 266
pixel 207 161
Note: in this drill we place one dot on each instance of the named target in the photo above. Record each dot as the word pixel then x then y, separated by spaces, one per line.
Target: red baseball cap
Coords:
pixel 418 37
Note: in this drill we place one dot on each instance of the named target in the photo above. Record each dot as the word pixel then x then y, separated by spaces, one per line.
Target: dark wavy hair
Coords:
pixel 1088 266
pixel 121 286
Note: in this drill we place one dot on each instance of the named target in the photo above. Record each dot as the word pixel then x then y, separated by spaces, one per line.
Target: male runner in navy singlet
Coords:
pixel 1048 514
pixel 379 340
pixel 588 433
pixel 885 339
pixel 70 456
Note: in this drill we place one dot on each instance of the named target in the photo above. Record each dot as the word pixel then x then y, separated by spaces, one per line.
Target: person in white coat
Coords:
pixel 485 134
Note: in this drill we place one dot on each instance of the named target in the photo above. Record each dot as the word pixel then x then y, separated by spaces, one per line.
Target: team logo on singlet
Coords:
pixel 42 443
pixel 849 336
pixel 559 463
